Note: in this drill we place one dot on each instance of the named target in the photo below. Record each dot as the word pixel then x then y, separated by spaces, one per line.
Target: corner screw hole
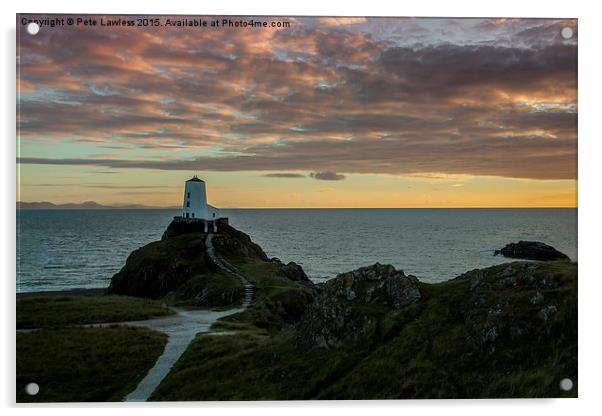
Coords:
pixel 566 33
pixel 33 28
pixel 566 384
pixel 32 389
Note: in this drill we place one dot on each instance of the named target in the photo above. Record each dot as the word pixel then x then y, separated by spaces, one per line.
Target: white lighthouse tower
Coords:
pixel 195 206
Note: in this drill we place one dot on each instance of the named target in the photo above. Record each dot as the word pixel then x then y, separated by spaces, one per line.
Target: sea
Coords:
pixel 84 248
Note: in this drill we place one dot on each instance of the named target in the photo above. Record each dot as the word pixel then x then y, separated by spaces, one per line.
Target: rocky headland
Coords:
pixel 375 332
pixel 177 268
pixel 372 333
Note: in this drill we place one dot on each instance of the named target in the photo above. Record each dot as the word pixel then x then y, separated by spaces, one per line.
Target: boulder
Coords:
pixel 531 250
pixel 347 306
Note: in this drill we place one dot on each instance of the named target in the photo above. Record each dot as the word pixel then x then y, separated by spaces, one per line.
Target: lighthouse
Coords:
pixel 195 206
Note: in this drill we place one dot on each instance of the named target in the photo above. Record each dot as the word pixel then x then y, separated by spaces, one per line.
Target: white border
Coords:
pixel 590 205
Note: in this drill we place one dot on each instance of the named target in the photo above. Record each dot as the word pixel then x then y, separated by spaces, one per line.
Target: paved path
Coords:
pixel 182 328
pixel 227 267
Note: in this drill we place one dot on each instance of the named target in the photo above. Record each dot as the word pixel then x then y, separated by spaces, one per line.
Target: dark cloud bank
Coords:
pixel 314 99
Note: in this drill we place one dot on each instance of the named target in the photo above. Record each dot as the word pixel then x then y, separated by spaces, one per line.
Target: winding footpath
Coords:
pixel 181 329
pixel 227 267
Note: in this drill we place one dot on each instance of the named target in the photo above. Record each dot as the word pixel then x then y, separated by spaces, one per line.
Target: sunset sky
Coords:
pixel 330 112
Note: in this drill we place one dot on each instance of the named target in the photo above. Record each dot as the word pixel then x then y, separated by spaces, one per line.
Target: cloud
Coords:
pixel 284 175
pixel 338 21
pixel 99 186
pixel 327 176
pixel 385 96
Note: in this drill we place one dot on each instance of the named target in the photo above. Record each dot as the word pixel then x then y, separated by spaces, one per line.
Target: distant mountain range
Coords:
pixel 83 205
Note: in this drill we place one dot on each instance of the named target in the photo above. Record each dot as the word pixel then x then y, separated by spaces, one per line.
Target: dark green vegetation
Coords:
pixel 82 363
pixel 85 364
pixel 504 331
pixel 278 301
pixel 213 290
pixel 104 364
pixel 46 311
pixel 372 333
pixel 178 270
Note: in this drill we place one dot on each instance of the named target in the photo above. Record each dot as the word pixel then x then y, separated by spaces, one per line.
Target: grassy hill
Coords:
pixel 504 331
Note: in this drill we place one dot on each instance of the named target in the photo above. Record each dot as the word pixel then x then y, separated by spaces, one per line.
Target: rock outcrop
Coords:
pixel 521 275
pixel 292 271
pixel 531 250
pixel 345 307
pixel 503 301
pixel 178 266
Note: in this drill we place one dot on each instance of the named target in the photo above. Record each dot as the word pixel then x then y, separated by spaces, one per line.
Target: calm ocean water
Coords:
pixel 61 249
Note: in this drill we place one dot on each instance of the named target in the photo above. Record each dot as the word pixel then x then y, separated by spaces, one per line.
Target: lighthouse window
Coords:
pixel 188 195
pixel 214 215
pixel 187 203
pixel 193 215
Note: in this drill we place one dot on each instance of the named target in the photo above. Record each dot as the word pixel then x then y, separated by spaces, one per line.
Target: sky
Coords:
pixel 328 112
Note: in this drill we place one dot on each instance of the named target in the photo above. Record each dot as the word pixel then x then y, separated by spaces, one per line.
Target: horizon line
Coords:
pixel 150 207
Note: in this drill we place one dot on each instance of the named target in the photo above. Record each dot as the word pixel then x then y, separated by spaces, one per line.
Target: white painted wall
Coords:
pixel 212 212
pixel 195 200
